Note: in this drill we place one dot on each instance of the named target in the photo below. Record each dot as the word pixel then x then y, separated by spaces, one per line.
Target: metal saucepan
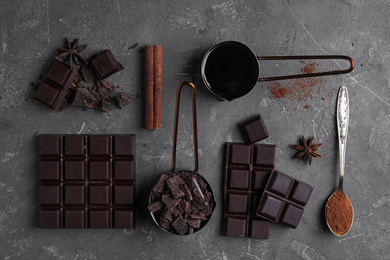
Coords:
pixel 231 69
pixel 203 188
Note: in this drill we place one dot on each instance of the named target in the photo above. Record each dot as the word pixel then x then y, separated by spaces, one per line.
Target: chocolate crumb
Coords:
pixel 122 100
pixel 133 46
pixel 307 106
pixel 324 98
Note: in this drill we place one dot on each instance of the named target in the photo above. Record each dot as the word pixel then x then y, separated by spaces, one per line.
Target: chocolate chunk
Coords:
pixel 155 207
pixel 255 129
pixel 284 199
pixel 180 225
pixel 164 223
pixel 167 215
pixel 122 100
pixel 72 197
pixel 170 201
pixel 160 185
pixel 174 185
pixel 87 74
pixel 105 64
pixel 195 223
pixel 55 86
pixel 187 192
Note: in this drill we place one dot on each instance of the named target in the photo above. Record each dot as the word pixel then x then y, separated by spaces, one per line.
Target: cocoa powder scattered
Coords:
pixel 339 213
pixel 298 90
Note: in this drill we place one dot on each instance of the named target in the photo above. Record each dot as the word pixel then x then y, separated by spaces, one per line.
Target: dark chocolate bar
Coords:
pixel 247 169
pixel 105 64
pixel 88 181
pixel 284 199
pixel 254 129
pixel 54 87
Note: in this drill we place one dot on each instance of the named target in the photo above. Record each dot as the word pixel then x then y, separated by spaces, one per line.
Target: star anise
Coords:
pixel 307 150
pixel 72 52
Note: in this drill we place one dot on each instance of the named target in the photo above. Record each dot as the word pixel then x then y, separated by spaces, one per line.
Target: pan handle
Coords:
pixel 314 57
pixel 177 122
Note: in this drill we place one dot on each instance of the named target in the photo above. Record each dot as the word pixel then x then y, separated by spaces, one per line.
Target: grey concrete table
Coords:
pixel 30 32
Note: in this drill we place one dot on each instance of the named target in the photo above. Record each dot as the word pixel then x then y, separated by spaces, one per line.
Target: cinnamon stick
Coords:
pixel 157 88
pixel 149 82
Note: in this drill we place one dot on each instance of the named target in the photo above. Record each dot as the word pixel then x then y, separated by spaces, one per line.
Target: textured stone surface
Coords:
pixel 30 32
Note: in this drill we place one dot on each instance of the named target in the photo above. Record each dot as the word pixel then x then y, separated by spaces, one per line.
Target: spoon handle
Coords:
pixel 342 128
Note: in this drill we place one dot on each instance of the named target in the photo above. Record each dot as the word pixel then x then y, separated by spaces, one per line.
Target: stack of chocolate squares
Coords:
pixel 254 192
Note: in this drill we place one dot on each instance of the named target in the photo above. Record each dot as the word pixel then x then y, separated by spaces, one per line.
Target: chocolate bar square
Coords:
pixel 265 155
pixel 51 145
pixel 74 218
pixel 123 170
pixel 100 145
pixel 74 194
pixel 51 170
pixel 100 170
pixel 99 194
pixel 74 170
pixel 237 202
pixel 99 218
pixel 124 219
pixel 239 178
pixel 51 194
pixel 255 129
pixel 241 154
pixel 236 226
pixel 105 64
pixel 124 145
pixel 51 218
pixel 75 145
pixel 123 195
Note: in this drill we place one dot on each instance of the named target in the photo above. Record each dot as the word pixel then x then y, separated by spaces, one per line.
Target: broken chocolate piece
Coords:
pixel 165 223
pixel 170 201
pixel 180 225
pixel 87 74
pixel 122 100
pixel 174 185
pixel 155 207
pixel 160 185
pixel 195 223
pixel 105 64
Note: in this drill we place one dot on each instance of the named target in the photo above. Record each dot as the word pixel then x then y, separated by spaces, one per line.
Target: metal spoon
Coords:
pixel 342 127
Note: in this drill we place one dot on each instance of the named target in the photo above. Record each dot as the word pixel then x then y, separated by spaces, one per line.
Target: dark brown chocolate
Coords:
pixel 55 86
pixel 87 181
pixel 247 169
pixel 181 202
pixel 122 100
pixel 254 129
pixel 284 199
pixel 105 64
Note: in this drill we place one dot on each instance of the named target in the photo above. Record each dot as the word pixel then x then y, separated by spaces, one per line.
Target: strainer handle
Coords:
pixel 177 122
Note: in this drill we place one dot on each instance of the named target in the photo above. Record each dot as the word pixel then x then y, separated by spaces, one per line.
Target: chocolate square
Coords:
pixel 99 218
pixel 123 195
pixel 236 226
pixel 51 194
pixel 59 73
pixel 124 219
pixel 51 170
pixel 74 170
pixel 239 179
pixel 124 170
pixel 255 129
pixel 75 145
pixel 105 64
pixel 265 155
pixel 100 145
pixel 99 194
pixel 237 202
pixel 99 170
pixel 74 194
pixel 74 218
pixel 259 228
pixel 260 179
pixel 124 145
pixel 48 93
pixel 280 183
pixel 240 154
pixel 300 193
pixel 270 206
pixel 51 218
pixel 292 215
pixel 50 145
